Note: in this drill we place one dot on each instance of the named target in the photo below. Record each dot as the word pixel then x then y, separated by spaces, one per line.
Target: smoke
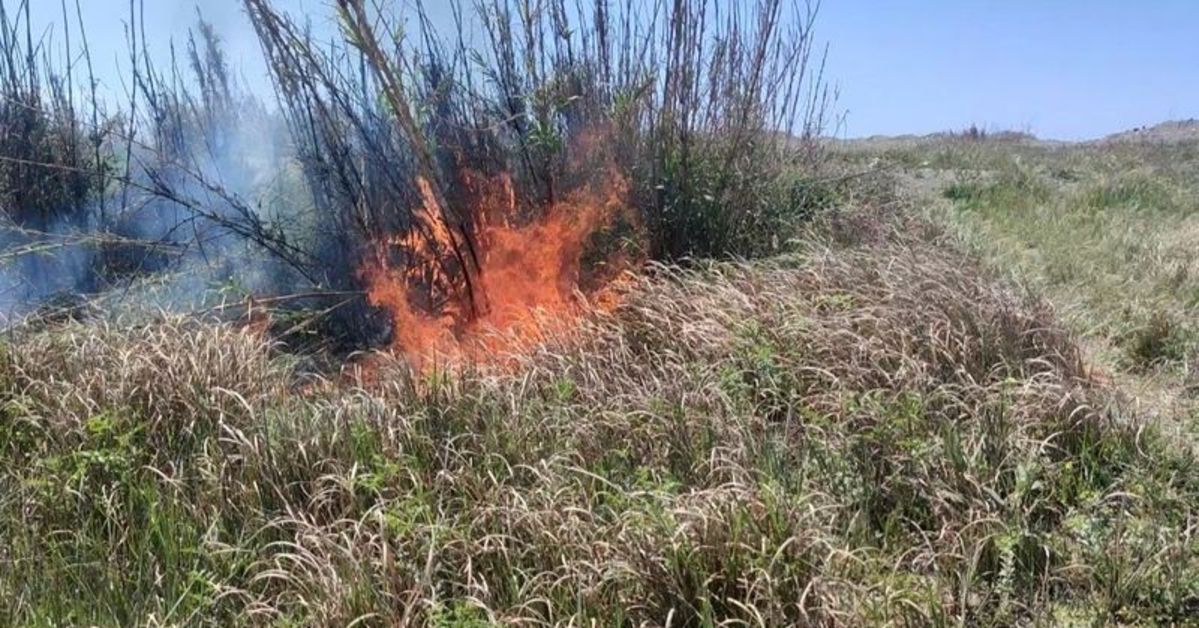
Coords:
pixel 211 214
pixel 188 189
pixel 37 267
pixel 460 172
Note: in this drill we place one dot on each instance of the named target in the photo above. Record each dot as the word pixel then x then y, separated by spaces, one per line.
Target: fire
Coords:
pixel 529 278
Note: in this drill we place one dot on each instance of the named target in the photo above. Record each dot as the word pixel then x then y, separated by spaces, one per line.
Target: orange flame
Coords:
pixel 529 280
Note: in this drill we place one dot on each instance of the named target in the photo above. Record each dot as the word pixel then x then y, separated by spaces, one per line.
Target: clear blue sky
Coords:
pixel 1064 69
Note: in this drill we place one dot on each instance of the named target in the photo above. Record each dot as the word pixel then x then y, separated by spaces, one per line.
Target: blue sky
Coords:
pixel 1063 69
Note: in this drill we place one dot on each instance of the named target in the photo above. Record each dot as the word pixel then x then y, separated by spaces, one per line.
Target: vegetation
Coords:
pixel 677 102
pixel 862 432
pixel 1102 229
pixel 398 134
pixel 849 405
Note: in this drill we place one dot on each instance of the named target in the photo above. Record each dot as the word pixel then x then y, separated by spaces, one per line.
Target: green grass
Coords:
pixel 1105 230
pixel 867 431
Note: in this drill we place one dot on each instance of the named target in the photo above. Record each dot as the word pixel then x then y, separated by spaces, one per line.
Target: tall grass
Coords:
pixel 50 164
pixel 867 433
pixel 690 105
pixel 687 100
pixel 1103 229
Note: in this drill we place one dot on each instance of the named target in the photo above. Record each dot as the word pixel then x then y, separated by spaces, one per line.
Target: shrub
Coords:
pixel 694 113
pixel 697 113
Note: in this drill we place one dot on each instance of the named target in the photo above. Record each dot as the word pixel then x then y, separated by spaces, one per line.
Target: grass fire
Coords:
pixel 578 313
pixel 527 270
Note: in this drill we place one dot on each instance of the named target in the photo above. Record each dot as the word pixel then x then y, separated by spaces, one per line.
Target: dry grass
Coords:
pixel 854 434
pixel 1104 230
pixel 1099 228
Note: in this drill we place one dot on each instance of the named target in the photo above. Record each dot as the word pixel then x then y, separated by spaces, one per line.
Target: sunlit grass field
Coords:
pixel 870 429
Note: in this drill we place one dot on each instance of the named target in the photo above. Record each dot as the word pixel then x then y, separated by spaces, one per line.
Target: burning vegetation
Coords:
pixel 867 431
pixel 527 274
pixel 411 189
pixel 490 190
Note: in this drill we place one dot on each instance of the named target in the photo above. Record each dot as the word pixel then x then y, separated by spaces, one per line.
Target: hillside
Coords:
pixel 1175 131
